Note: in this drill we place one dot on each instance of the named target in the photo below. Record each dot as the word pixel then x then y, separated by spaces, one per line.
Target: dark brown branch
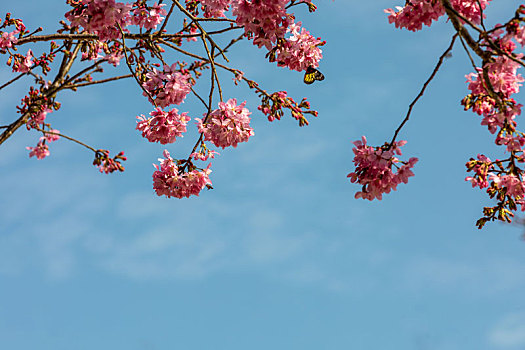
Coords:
pixel 455 17
pixel 13 127
pixel 87 36
pixel 452 14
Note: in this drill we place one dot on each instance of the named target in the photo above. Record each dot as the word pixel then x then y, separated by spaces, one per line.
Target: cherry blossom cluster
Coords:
pixel 163 127
pixel 171 181
pixel 107 17
pixel 267 22
pixel 148 17
pixel 417 13
pixel 374 169
pixel 301 50
pixel 507 187
pixel 100 17
pixel 226 126
pixel 215 8
pixel 496 106
pixel 167 87
pixel 492 87
pixel 264 21
pixel 109 32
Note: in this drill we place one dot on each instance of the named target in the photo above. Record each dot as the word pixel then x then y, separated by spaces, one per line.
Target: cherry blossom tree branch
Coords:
pixel 425 85
pixel 102 81
pixel 66 137
pixel 196 21
pixel 12 80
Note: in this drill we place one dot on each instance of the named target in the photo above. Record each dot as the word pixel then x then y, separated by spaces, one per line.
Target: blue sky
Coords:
pixel 279 255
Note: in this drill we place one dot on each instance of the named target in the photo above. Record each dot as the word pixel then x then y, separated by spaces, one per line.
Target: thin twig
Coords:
pixel 12 80
pixel 166 19
pixel 67 137
pixel 128 63
pixel 194 19
pixel 436 69
pixel 97 81
pixel 468 53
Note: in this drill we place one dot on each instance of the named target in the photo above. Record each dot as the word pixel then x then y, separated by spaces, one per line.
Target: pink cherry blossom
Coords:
pixel 167 87
pixel 25 65
pixel 481 168
pixel 40 151
pixel 7 40
pixel 101 17
pixel 503 77
pixel 515 188
pixel 52 135
pixel 169 181
pixel 37 118
pixel 148 18
pixel 215 8
pixel 417 13
pixel 228 125
pixel 163 127
pixel 203 154
pixel 506 81
pixel 264 21
pixel 374 169
pixel 301 50
pixel 114 57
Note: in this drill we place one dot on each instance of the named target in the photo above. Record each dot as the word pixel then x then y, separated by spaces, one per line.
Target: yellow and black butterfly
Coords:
pixel 312 75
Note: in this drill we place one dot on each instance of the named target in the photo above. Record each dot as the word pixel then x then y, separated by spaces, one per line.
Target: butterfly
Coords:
pixel 312 75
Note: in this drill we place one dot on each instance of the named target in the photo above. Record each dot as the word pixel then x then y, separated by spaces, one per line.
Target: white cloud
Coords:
pixel 163 252
pixel 491 276
pixel 509 332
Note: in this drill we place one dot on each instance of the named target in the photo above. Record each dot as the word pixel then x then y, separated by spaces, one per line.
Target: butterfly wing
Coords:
pixel 312 75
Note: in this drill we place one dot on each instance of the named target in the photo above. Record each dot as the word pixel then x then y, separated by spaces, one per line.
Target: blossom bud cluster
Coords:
pixel 9 39
pixel 273 107
pixel 37 106
pixel 106 164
